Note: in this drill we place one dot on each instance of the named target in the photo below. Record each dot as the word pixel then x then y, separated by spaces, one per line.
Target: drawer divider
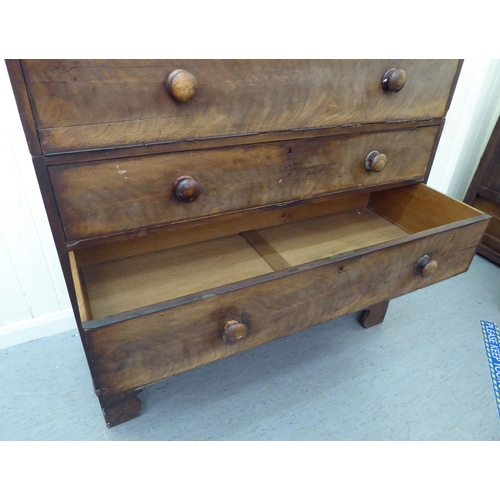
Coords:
pixel 265 250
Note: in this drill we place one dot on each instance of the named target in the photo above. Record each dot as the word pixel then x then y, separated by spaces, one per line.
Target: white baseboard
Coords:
pixel 36 328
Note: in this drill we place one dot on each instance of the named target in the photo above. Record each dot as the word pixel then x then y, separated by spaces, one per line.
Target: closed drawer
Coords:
pixel 106 197
pixel 91 104
pixel 301 274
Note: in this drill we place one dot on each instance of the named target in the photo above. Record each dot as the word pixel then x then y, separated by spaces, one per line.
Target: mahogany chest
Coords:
pixel 204 207
pixel 484 194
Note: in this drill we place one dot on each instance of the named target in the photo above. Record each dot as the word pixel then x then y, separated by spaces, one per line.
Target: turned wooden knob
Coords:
pixel 394 80
pixel 181 85
pixel 375 161
pixel 426 267
pixel 186 189
pixel 233 332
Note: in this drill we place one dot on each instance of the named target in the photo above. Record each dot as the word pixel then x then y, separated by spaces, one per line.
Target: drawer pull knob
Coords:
pixel 375 161
pixel 394 80
pixel 233 332
pixel 426 267
pixel 186 189
pixel 181 85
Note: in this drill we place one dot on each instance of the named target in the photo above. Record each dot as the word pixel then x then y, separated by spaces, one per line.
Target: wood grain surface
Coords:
pixel 106 197
pixel 84 307
pixel 121 409
pixel 138 281
pixel 140 351
pixel 90 104
pixel 265 250
pixel 375 314
pixel 491 239
pixel 329 235
pixel 235 140
pixel 484 193
pixel 206 229
pixel 419 207
pixel 23 103
pixel 120 282
pixel 258 240
pixel 127 283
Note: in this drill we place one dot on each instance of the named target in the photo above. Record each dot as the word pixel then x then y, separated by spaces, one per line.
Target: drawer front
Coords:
pixel 109 197
pixel 137 352
pixel 91 104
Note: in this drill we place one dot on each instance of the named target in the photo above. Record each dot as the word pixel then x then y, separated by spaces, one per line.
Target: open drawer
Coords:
pixel 168 304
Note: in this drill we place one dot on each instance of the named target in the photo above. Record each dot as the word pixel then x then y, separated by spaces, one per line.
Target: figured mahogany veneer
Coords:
pixel 353 259
pixel 201 208
pixel 107 197
pixel 90 104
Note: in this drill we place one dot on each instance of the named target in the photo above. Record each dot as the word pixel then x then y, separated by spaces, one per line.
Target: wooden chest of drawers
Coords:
pixel 201 208
pixel 484 194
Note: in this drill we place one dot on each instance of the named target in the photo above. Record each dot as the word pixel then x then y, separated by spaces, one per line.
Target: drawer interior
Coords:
pixel 120 277
pixel 138 281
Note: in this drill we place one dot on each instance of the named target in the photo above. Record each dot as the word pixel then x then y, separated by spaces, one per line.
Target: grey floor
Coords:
pixel 420 375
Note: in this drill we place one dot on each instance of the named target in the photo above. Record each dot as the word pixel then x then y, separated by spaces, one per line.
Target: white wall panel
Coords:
pixel 14 306
pixel 31 280
pixel 473 113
